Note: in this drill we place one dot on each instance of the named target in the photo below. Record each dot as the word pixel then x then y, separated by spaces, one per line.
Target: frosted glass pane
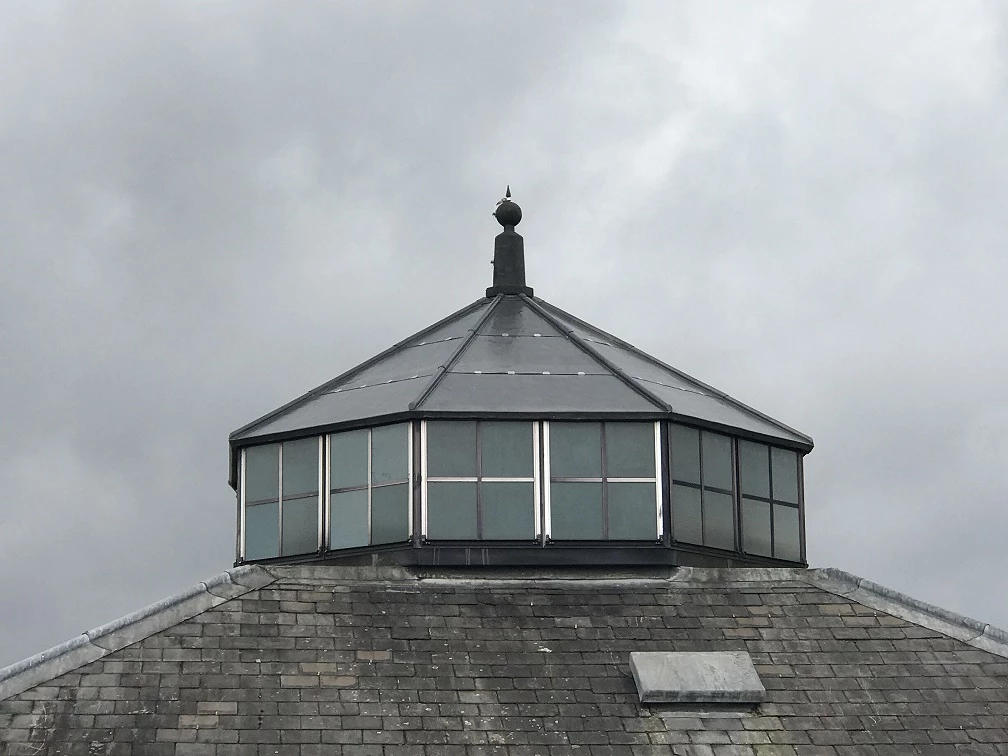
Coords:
pixel 262 530
pixel 576 511
pixel 389 454
pixel 686 522
pixel 451 449
pixel 576 451
pixel 507 450
pixel 451 511
pixel 633 510
pixel 630 450
pixel 300 525
pixel 300 466
pixel 719 525
pixel 348 459
pixel 685 444
pixel 508 511
pixel 756 527
pixel 348 519
pixel 717 464
pixel 787 539
pixel 785 474
pixel 390 514
pixel 262 472
pixel 754 469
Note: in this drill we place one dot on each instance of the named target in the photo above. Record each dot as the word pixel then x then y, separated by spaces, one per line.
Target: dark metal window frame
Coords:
pixel 773 502
pixel 702 487
pixel 657 481
pixel 479 478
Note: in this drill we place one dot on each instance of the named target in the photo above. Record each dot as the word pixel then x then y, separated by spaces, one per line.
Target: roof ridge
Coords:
pixel 617 341
pixel 597 356
pixel 444 369
pixel 131 628
pixel 981 635
pixel 323 388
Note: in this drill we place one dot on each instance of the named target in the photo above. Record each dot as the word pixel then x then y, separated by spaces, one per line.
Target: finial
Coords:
pixel 508 213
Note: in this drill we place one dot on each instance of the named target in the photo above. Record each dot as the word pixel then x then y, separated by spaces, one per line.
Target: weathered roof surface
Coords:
pixel 514 355
pixel 387 662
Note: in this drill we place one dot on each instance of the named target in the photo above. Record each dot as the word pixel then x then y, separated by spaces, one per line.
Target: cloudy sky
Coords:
pixel 209 208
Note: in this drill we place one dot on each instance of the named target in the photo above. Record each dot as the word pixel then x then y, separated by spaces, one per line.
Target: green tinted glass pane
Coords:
pixel 451 511
pixel 787 540
pixel 390 514
pixel 717 464
pixel 506 450
pixel 262 472
pixel 300 525
pixel 300 466
pixel 754 468
pixel 451 449
pixel 630 450
pixel 348 519
pixel 686 522
pixel 576 450
pixel 389 454
pixel 718 524
pixel 262 530
pixel 785 474
pixel 348 459
pixel 685 443
pixel 508 511
pixel 756 527
pixel 576 511
pixel 633 510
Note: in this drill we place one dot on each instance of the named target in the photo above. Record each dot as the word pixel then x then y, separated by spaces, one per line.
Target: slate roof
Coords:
pixel 389 662
pixel 514 355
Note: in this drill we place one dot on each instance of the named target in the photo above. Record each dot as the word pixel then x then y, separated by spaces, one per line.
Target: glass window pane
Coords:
pixel 451 449
pixel 718 524
pixel 506 450
pixel 787 542
pixel 390 514
pixel 262 530
pixel 348 459
pixel 686 524
pixel 685 443
pixel 756 527
pixel 348 519
pixel 633 509
pixel 508 511
pixel 300 525
pixel 451 511
pixel 300 466
pixel 576 511
pixel 262 472
pixel 630 450
pixel 785 474
pixel 754 468
pixel 389 454
pixel 717 464
pixel 576 451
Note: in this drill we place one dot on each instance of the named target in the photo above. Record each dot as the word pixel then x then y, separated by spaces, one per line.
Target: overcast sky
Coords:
pixel 208 208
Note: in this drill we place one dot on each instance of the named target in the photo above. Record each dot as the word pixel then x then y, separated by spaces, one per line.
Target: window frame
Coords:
pixel 326 521
pixel 603 480
pixel 702 487
pixel 535 479
pixel 244 503
pixel 773 503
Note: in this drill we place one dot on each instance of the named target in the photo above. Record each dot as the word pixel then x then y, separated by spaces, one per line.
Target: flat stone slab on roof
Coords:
pixel 696 677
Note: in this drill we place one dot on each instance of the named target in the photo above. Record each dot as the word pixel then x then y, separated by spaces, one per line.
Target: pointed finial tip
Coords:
pixel 508 213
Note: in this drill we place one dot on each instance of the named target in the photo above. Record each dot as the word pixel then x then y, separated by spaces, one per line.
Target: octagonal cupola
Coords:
pixel 514 433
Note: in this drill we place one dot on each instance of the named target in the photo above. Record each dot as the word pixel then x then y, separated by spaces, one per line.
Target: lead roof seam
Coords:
pixel 330 384
pixel 426 393
pixel 685 376
pixel 599 358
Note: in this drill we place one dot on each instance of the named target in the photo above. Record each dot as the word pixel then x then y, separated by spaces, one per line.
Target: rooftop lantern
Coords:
pixel 514 433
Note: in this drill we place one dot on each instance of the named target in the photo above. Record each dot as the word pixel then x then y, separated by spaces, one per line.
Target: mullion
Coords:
pixel 605 485
pixel 479 481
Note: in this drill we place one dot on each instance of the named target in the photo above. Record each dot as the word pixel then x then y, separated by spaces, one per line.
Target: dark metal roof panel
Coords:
pixel 526 354
pixel 515 318
pixel 523 393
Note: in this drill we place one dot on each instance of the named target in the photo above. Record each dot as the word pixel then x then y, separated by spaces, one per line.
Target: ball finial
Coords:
pixel 508 213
